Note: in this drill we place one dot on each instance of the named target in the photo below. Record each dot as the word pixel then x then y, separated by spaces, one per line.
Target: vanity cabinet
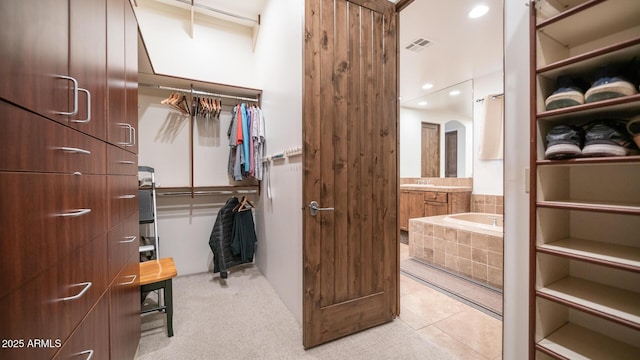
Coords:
pixel 422 203
pixel 585 212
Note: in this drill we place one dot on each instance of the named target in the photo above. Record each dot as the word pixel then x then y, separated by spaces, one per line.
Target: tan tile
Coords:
pixel 479 255
pixel 451 248
pixel 439 244
pixel 409 286
pixel 495 243
pixel 404 251
pixel 490 200
pixel 446 342
pixel 427 242
pixel 450 234
pixel 479 271
pixel 465 266
pixel 464 237
pixel 438 257
pixel 464 251
pixel 414 226
pixel 480 241
pixel 417 240
pixel 494 259
pixel 451 262
pixel 431 305
pixel 412 319
pixel 495 276
pixel 427 229
pixel 477 330
pixel 427 255
pixel 438 232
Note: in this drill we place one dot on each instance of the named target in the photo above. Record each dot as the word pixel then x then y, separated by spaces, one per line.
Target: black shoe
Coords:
pixel 609 84
pixel 633 127
pixel 567 94
pixel 564 142
pixel 608 138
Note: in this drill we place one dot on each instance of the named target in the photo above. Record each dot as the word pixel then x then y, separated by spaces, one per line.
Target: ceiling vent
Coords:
pixel 418 44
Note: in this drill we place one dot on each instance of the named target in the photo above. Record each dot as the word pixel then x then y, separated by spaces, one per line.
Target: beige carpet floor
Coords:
pixel 243 318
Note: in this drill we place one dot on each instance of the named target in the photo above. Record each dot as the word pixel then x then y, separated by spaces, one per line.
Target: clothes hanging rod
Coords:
pixel 198 92
pixel 226 13
pixel 492 96
pixel 209 192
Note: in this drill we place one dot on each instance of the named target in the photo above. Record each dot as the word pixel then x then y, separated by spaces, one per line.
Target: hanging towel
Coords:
pixel 491 141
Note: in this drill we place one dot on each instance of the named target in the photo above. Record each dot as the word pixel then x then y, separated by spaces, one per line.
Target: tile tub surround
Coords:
pixel 492 204
pixel 476 253
pixel 440 181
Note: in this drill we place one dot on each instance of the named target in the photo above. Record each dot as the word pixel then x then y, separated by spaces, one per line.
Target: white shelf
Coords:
pixel 575 342
pixel 607 301
pixel 625 257
pixel 620 208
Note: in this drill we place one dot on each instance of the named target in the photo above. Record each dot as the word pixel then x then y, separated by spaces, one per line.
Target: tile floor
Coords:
pixel 462 330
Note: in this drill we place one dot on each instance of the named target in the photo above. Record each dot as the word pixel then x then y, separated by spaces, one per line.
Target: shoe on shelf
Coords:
pixel 633 127
pixel 608 138
pixel 564 142
pixel 566 94
pixel 608 85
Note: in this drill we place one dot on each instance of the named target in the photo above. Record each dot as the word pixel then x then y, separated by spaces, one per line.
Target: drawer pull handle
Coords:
pixel 75 150
pixel 126 162
pixel 86 285
pixel 133 279
pixel 75 96
pixel 130 239
pixel 88 107
pixel 90 352
pixel 75 213
pixel 126 197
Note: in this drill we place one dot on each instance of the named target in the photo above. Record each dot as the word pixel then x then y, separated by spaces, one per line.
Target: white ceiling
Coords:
pixel 462 48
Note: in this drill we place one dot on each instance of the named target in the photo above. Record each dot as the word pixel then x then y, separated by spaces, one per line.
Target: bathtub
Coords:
pixel 468 244
pixel 483 221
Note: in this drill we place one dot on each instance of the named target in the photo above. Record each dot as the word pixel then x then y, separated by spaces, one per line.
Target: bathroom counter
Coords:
pixel 436 188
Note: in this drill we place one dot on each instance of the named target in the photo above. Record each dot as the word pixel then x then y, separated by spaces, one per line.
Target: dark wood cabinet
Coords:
pixel 68 209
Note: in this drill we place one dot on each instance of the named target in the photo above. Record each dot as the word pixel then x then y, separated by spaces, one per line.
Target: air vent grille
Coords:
pixel 418 44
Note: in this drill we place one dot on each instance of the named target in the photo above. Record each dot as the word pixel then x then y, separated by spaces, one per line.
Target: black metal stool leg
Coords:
pixel 168 302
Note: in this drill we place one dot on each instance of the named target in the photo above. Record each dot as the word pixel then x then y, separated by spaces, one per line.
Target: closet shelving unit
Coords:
pixel 585 212
pixel 190 87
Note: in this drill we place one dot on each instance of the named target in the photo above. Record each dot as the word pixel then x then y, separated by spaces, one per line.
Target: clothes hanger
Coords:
pixel 243 205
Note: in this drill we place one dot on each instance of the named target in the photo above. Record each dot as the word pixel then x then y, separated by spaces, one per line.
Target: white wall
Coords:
pixel 516 218
pixel 219 52
pixel 411 138
pixel 279 218
pixel 487 174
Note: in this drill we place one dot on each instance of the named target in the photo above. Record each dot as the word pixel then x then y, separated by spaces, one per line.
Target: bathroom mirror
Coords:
pixel 443 49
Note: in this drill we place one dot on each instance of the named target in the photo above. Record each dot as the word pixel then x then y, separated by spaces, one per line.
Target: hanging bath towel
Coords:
pixel 491 141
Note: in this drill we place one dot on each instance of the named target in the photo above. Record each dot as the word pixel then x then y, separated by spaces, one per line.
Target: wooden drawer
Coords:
pixel 435 196
pixel 123 244
pixel 91 337
pixel 123 198
pixel 43 217
pixel 121 162
pixel 29 142
pixel 124 311
pixel 54 303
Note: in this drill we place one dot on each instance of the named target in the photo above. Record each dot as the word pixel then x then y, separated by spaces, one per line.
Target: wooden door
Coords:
pixel 350 164
pixel 430 150
pixel 451 154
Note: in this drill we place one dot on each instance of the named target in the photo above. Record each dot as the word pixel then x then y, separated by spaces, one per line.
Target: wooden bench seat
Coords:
pixel 155 275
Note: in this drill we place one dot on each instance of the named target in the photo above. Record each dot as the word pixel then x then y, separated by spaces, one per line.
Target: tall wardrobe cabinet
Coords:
pixel 68 180
pixel 585 211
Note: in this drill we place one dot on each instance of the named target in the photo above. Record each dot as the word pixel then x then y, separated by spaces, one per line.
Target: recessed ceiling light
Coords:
pixel 427 86
pixel 478 11
pixel 454 92
pixel 422 103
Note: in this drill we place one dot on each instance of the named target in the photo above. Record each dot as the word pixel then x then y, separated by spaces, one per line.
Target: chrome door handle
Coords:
pixel 87 352
pixel 86 285
pixel 75 96
pixel 75 213
pixel 75 150
pixel 130 239
pixel 314 207
pixel 88 108
pixel 133 279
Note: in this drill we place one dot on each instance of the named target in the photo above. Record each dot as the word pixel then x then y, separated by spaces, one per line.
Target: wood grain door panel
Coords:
pixel 430 157
pixel 54 303
pixel 124 311
pixel 91 337
pixel 123 198
pixel 131 75
pixel 34 48
pixel 120 162
pixel 123 243
pixel 45 145
pixel 118 132
pixel 350 164
pixel 34 231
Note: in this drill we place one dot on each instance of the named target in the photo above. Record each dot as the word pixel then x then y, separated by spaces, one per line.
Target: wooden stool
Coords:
pixel 155 275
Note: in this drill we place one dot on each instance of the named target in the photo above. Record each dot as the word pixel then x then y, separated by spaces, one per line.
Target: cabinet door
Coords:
pixel 123 244
pixel 433 208
pixel 124 311
pixel 131 74
pixel 88 64
pixel 416 204
pixel 403 214
pixel 34 48
pixel 119 132
pixel 91 338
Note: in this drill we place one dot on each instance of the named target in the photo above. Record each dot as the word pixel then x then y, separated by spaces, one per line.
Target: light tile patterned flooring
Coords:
pixel 462 330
